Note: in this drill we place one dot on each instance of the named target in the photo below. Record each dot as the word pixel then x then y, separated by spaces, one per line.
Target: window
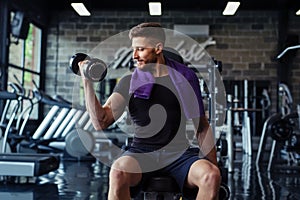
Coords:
pixel 24 63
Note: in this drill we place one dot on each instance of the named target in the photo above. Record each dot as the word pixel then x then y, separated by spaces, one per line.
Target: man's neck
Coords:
pixel 160 69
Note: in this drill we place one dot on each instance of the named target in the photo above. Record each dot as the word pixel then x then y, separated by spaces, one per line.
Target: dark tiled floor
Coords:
pixel 248 182
pixel 88 181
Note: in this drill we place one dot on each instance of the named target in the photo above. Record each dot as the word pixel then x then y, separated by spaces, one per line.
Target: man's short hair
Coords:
pixel 148 29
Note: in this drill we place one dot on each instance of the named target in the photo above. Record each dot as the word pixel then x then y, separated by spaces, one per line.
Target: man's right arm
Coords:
pixel 102 116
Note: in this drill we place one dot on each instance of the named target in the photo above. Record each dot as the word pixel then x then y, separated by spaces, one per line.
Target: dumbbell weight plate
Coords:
pixel 280 130
pixel 224 192
pixel 95 70
pixel 222 146
pixel 79 143
pixel 75 59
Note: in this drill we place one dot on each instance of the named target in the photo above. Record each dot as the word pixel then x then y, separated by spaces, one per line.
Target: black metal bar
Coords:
pixel 4 45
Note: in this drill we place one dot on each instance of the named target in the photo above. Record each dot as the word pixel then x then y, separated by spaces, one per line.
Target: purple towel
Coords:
pixel 190 95
pixel 141 83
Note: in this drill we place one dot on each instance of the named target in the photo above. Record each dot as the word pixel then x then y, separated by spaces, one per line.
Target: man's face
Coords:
pixel 144 53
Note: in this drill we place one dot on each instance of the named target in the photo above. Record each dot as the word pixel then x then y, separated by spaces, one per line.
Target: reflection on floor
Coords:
pixel 89 181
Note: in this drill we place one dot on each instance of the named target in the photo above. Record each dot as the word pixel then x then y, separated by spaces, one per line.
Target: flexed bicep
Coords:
pixel 114 106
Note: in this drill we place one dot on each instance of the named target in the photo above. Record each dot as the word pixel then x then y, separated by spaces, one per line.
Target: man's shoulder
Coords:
pixel 123 83
pixel 126 76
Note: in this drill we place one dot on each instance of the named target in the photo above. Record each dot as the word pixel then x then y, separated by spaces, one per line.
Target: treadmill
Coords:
pixel 31 165
pixel 23 164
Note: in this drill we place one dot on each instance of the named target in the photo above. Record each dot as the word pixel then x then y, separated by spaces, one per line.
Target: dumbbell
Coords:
pixel 95 69
pixel 281 130
pixel 79 143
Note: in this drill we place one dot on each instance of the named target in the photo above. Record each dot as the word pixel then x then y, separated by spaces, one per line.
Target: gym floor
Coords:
pixel 88 180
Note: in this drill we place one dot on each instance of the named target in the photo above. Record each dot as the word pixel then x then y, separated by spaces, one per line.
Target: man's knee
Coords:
pixel 118 176
pixel 123 178
pixel 211 178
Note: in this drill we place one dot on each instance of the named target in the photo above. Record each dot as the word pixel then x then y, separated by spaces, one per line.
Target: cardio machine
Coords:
pixel 66 129
pixel 21 164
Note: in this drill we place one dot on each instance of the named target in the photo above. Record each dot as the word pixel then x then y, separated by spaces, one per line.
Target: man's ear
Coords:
pixel 159 48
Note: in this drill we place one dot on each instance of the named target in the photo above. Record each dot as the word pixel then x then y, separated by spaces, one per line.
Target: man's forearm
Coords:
pixel 206 140
pixel 212 156
pixel 207 145
pixel 96 111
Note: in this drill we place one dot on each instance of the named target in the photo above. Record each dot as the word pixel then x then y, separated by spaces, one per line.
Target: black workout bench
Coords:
pixel 163 187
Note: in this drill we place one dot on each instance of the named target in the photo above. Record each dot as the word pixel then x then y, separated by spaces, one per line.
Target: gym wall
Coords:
pixel 245 43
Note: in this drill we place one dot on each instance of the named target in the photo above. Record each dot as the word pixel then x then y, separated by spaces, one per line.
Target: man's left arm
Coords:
pixel 206 139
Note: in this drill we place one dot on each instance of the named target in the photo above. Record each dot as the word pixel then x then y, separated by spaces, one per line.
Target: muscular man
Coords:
pixel 161 95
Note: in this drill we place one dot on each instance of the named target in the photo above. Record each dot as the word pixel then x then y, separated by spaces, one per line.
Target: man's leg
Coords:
pixel 207 177
pixel 124 173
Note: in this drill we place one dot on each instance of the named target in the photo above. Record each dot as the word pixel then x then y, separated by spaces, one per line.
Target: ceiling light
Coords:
pixel 155 8
pixel 231 8
pixel 298 12
pixel 80 9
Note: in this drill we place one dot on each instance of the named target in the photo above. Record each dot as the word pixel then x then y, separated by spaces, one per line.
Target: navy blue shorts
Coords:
pixel 179 169
pixel 171 164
